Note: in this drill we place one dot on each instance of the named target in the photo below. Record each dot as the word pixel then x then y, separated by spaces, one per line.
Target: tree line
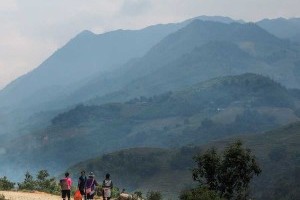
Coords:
pixel 222 175
pixel 42 182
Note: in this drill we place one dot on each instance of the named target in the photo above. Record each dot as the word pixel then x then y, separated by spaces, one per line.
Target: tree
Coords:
pixel 207 171
pixel 236 171
pixel 46 184
pixel 42 175
pixel 28 183
pixel 229 174
pixel 5 184
pixel 43 183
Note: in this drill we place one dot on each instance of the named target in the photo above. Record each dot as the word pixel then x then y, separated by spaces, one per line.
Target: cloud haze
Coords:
pixel 32 30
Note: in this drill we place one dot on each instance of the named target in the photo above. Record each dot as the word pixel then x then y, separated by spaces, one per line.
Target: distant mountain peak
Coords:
pixel 85 34
pixel 221 19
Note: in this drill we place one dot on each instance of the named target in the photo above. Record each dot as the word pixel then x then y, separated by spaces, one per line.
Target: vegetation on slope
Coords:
pixel 205 112
pixel 277 153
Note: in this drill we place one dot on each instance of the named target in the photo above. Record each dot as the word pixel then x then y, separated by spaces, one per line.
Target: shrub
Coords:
pixel 42 183
pixel 115 192
pixel 46 184
pixel 28 183
pixel 138 194
pixel 152 195
pixel 5 184
pixel 199 194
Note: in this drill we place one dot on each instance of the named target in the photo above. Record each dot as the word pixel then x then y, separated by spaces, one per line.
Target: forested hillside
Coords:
pixel 208 111
pixel 141 103
pixel 146 169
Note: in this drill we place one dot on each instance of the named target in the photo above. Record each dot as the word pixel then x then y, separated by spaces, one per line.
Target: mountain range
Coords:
pixel 211 110
pixel 84 60
pixel 85 57
pixel 168 86
pixel 123 64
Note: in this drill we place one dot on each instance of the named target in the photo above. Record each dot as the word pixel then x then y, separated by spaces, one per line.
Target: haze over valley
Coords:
pixel 141 103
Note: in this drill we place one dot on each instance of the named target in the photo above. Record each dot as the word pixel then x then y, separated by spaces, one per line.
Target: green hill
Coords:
pixel 168 170
pixel 208 111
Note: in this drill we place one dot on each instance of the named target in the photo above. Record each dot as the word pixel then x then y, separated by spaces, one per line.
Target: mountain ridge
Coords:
pixel 84 41
pixel 164 56
pixel 282 28
pixel 203 113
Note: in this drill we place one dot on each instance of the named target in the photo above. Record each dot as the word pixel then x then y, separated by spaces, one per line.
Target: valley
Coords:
pixel 140 104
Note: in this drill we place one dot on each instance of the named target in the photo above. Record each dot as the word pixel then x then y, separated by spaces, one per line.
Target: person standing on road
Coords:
pixel 90 186
pixel 81 184
pixel 107 186
pixel 66 185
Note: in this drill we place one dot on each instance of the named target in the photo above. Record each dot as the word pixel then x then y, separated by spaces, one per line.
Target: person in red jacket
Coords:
pixel 66 185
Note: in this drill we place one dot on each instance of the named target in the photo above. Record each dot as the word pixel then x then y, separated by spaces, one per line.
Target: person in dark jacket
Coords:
pixel 90 186
pixel 81 184
pixel 107 186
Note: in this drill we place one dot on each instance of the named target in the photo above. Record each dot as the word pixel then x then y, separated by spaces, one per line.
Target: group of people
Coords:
pixel 86 186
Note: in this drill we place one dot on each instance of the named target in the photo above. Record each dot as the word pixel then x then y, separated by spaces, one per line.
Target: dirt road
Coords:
pixel 30 196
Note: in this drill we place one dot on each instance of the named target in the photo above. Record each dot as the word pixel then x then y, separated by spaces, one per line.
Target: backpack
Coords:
pixel 77 195
pixel 64 184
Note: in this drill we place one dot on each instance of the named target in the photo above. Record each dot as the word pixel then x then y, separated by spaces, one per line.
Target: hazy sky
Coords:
pixel 31 30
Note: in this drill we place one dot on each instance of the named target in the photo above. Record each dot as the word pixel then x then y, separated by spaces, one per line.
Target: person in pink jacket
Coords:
pixel 66 185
